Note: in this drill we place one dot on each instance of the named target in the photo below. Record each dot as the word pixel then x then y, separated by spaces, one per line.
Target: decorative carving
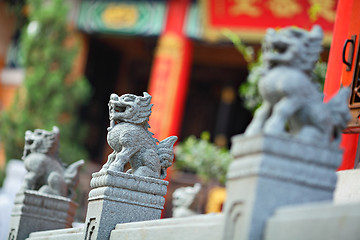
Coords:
pixel 46 172
pixel 54 208
pixel 292 104
pixel 90 228
pixel 183 198
pixel 132 142
pixel 232 228
pixel 12 234
pixel 129 188
pixel 121 180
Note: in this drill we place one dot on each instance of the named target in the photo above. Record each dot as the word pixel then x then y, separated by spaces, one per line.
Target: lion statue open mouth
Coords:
pixel 292 103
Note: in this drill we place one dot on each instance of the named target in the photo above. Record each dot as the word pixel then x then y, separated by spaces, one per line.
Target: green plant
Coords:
pixel 2 176
pixel 50 94
pixel 246 51
pixel 319 74
pixel 249 89
pixel 203 158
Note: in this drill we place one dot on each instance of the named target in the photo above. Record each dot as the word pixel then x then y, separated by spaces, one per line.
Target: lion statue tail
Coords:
pixel 166 154
pixel 71 176
pixel 339 109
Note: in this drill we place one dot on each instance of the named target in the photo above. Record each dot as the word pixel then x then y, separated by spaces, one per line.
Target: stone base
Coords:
pixel 314 222
pixel 34 211
pixel 199 227
pixel 61 234
pixel 121 198
pixel 269 172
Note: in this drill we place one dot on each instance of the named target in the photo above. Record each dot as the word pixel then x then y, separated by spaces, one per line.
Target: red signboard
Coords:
pixel 251 18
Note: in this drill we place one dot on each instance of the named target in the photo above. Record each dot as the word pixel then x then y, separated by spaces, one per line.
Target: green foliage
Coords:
pixel 246 51
pixel 319 74
pixel 50 95
pixel 2 176
pixel 249 90
pixel 203 158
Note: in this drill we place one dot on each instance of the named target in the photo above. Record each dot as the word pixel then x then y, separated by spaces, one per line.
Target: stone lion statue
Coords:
pixel 183 198
pixel 132 142
pixel 46 172
pixel 292 103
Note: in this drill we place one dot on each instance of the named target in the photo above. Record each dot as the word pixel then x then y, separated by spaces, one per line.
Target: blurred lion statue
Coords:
pixel 46 172
pixel 292 103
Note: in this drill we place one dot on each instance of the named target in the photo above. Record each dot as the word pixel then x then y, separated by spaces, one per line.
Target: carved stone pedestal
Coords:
pixel 34 211
pixel 121 198
pixel 269 172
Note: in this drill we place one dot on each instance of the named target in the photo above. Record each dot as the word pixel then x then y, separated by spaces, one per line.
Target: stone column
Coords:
pixel 269 172
pixel 347 186
pixel 34 211
pixel 118 197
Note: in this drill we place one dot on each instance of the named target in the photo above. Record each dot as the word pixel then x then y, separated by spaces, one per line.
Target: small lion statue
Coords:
pixel 132 142
pixel 46 172
pixel 292 103
pixel 183 198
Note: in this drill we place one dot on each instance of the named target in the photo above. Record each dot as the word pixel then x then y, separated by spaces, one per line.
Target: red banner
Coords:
pixel 169 77
pixel 255 16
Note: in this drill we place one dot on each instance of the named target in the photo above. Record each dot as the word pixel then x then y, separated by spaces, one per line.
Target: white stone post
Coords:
pixel 269 172
pixel 118 197
pixel 34 211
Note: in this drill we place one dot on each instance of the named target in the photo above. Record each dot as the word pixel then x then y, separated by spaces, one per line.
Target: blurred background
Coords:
pixel 61 60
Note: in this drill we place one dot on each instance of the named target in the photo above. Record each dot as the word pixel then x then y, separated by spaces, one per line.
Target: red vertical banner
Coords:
pixel 170 72
pixel 334 74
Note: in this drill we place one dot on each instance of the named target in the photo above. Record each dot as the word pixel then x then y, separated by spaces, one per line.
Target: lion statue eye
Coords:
pixel 128 99
pixel 37 133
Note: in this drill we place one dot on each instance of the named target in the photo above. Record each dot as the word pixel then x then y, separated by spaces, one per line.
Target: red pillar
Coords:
pixel 334 73
pixel 170 72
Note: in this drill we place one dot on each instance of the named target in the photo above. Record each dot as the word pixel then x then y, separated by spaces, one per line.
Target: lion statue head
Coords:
pixel 292 47
pixel 130 108
pixel 42 141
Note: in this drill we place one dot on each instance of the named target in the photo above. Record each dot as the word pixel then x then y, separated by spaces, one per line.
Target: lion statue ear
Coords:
pixel 270 31
pixel 316 32
pixel 28 133
pixel 56 133
pixel 55 129
pixel 146 95
pixel 314 42
pixel 146 98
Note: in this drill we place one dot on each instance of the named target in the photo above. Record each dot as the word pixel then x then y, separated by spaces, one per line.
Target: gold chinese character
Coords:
pixel 245 7
pixel 324 9
pixel 284 8
pixel 120 16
